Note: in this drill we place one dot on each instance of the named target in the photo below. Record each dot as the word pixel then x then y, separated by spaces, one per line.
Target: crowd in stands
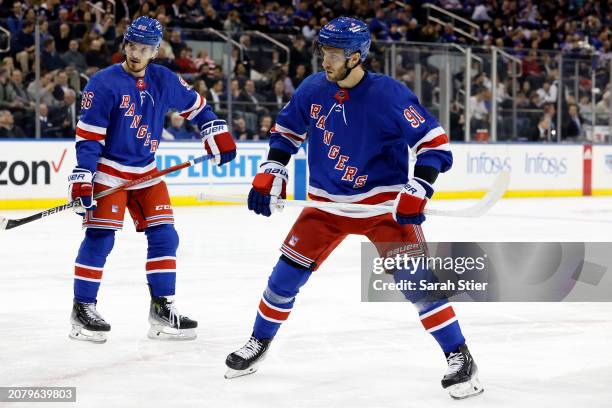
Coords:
pixel 79 38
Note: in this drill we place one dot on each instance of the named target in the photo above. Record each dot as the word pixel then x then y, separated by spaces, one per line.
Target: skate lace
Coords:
pixel 92 313
pixel 250 349
pixel 455 363
pixel 173 315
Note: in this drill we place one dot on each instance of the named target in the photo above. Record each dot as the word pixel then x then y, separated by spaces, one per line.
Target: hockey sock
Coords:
pixel 278 298
pixel 435 312
pixel 161 259
pixel 89 263
pixel 439 319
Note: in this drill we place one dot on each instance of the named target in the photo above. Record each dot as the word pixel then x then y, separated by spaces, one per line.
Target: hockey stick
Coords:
pixel 483 205
pixel 6 224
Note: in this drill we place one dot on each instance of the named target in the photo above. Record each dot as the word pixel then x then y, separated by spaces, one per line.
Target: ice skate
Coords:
pixel 461 379
pixel 87 324
pixel 167 323
pixel 246 360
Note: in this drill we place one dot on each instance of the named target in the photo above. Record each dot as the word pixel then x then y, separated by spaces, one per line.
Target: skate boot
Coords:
pixel 87 324
pixel 246 360
pixel 461 379
pixel 167 323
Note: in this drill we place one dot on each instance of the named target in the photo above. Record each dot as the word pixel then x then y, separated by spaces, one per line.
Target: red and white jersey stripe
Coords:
pixel 196 108
pixel 378 195
pixel 294 137
pixel 112 174
pixel 435 139
pixel 86 131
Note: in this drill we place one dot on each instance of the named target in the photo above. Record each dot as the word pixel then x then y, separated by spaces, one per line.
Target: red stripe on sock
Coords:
pixel 87 273
pixel 438 318
pixel 271 313
pixel 163 264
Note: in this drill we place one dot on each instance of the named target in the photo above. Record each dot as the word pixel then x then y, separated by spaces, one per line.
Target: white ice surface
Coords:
pixel 334 351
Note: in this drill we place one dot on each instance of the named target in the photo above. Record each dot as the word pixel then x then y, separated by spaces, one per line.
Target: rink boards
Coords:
pixel 33 173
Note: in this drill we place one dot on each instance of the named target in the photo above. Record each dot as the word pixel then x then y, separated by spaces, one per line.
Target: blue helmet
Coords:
pixel 144 30
pixel 346 33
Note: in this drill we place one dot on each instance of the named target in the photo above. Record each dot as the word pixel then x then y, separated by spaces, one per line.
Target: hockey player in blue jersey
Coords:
pixel 122 115
pixel 360 127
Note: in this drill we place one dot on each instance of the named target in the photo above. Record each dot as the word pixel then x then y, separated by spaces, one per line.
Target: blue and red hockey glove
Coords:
pixel 80 187
pixel 269 184
pixel 410 202
pixel 218 141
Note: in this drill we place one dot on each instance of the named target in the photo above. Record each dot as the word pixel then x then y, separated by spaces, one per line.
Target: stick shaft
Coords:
pixel 483 205
pixel 9 224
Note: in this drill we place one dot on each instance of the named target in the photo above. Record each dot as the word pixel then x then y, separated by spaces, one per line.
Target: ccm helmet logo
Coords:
pixel 163 207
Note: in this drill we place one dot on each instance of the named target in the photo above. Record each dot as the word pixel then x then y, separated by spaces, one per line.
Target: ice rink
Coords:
pixel 334 351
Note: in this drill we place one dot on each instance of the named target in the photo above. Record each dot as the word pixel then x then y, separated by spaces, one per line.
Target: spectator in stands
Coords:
pixel 265 124
pixel 232 23
pixel 15 20
pixel 21 95
pixel 310 30
pixel 47 128
pixel 200 87
pixel 300 74
pixel 547 93
pixel 67 113
pixel 204 59
pixel 479 109
pixel 211 19
pixel 163 59
pixel 185 61
pixel 47 85
pixel 277 98
pixel 546 128
pixel 216 96
pixel 74 57
pixel 125 9
pixel 97 57
pixel 176 42
pixel 62 40
pixel 251 100
pixel 178 130
pixel 49 58
pixel 241 132
pixel 7 93
pixel 7 126
pixel 299 54
pixel 573 128
pixel 22 46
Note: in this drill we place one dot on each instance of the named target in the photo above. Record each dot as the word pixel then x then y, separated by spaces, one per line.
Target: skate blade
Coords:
pixel 467 389
pixel 231 373
pixel 81 334
pixel 171 334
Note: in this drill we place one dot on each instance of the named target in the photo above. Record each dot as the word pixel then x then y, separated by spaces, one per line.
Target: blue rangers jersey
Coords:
pixel 359 138
pixel 122 119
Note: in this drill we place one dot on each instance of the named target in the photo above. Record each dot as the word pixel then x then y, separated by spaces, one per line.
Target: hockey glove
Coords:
pixel 269 184
pixel 80 187
pixel 218 141
pixel 410 202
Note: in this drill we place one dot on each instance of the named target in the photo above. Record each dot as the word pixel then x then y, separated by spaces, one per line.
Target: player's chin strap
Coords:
pixel 348 69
